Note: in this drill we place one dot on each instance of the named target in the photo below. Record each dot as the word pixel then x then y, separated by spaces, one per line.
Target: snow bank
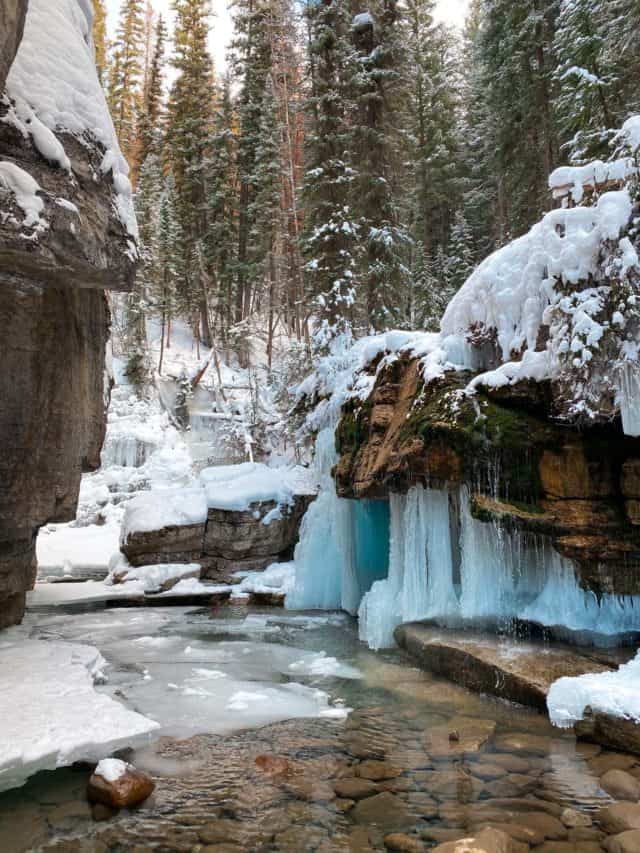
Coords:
pixel 510 293
pixel 52 714
pixel 55 89
pixel 237 487
pixel 278 577
pixel 152 578
pixel 164 508
pixel 616 693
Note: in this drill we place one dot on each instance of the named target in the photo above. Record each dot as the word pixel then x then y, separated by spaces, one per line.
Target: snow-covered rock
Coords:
pixel 567 295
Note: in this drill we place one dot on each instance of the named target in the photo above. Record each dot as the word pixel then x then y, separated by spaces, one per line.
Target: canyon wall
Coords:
pixel 67 233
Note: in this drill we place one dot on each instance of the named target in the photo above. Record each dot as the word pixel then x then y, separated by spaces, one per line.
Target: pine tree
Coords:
pixel 461 258
pixel 125 77
pixel 431 123
pixel 482 183
pixel 374 76
pixel 170 261
pixel 518 61
pixel 100 39
pixel 188 134
pixel 149 122
pixel 220 240
pixel 252 67
pixel 330 238
pixel 585 103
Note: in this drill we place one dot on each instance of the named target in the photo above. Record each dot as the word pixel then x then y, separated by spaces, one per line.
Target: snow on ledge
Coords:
pixel 164 508
pixel 616 693
pixel 51 713
pixel 237 487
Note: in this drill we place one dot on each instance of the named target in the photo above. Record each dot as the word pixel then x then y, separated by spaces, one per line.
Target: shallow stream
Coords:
pixel 415 755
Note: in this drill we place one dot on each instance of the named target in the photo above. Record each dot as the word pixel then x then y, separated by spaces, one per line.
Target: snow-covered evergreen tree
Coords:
pixel 189 130
pixel 330 238
pixel 125 75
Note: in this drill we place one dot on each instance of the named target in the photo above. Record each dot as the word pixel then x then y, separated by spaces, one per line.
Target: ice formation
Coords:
pixel 53 715
pixel 498 577
pixel 614 693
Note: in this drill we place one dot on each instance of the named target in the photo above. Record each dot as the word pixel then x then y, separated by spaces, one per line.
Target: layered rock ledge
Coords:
pixel 524 468
pixel 518 671
pixel 241 517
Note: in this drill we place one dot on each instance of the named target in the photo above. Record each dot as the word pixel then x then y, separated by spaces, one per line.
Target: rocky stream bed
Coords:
pixel 418 762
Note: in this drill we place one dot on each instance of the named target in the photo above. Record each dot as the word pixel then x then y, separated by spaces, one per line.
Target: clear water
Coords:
pixel 214 782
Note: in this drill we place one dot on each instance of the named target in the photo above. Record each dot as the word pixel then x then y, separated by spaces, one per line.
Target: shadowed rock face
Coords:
pixel 12 15
pixel 54 328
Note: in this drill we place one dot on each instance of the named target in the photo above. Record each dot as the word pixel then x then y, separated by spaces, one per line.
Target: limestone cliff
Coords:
pixel 521 466
pixel 67 232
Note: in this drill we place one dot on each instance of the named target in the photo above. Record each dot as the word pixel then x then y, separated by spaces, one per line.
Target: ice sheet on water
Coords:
pixel 52 715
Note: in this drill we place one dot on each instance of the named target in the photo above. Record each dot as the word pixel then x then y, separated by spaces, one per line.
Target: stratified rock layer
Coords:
pixel 54 316
pixel 520 673
pixel 229 541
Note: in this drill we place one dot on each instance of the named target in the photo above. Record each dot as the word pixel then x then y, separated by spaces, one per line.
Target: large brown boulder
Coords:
pixel 66 233
pixel 119 785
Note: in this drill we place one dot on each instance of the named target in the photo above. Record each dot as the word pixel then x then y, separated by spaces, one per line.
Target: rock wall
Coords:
pixel 523 468
pixel 12 15
pixel 63 240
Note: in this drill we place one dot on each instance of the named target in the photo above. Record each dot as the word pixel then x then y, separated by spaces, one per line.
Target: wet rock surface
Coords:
pixel 486 663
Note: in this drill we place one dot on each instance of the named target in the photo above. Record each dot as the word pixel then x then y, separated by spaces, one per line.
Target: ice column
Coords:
pixel 420 581
pixel 325 546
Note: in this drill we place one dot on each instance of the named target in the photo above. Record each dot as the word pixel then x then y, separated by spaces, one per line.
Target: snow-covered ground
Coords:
pixel 142 450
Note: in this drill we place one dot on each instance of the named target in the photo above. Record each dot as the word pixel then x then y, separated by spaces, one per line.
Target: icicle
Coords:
pixel 442 600
pixel 324 539
pixel 629 398
pixel 380 612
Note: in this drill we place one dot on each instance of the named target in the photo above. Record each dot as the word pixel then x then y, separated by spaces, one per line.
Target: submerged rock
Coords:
pixel 486 841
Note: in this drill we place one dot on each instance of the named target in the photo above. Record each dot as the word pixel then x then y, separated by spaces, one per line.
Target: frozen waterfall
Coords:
pixel 424 556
